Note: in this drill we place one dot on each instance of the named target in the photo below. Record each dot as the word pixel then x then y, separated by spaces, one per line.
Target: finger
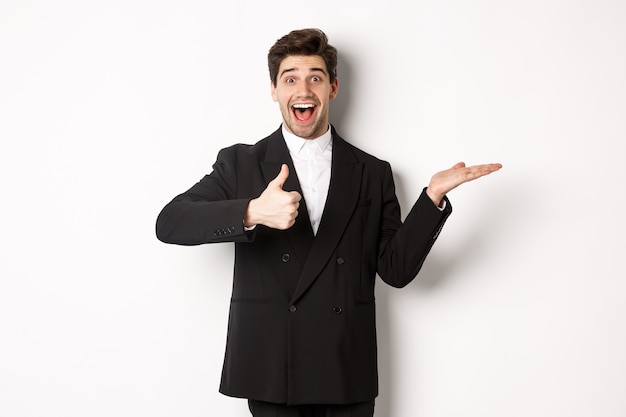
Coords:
pixel 487 168
pixel 481 170
pixel 296 196
pixel 491 167
pixel 282 176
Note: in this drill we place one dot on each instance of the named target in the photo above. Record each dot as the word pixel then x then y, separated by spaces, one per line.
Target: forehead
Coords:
pixel 302 63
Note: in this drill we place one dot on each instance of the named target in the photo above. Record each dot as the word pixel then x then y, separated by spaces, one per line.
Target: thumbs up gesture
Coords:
pixel 275 207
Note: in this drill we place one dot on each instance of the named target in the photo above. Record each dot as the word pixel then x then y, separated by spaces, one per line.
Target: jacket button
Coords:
pixel 292 308
pixel 340 261
pixel 286 257
pixel 337 310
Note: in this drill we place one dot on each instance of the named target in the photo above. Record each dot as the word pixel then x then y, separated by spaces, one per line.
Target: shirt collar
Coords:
pixel 295 143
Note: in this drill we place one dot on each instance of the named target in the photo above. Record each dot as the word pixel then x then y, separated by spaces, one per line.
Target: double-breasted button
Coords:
pixel 340 261
pixel 292 308
pixel 286 257
pixel 338 309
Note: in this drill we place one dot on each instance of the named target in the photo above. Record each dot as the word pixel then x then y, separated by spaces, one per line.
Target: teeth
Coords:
pixel 303 106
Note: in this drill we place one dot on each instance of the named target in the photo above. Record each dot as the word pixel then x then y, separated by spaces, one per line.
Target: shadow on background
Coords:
pixel 340 106
pixel 440 269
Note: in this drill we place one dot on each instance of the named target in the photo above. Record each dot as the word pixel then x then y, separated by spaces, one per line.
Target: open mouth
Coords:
pixel 303 112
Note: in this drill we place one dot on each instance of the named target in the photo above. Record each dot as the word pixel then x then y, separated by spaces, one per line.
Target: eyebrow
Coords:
pixel 314 69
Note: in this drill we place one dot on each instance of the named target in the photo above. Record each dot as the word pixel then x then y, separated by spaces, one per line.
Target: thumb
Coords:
pixel 282 176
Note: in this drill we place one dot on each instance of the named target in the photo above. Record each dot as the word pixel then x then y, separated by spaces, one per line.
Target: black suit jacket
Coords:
pixel 302 325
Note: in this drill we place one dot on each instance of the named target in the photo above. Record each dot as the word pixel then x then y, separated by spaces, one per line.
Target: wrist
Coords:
pixel 435 197
pixel 249 219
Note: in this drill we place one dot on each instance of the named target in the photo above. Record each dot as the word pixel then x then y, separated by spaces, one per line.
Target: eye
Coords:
pixel 316 78
pixel 290 80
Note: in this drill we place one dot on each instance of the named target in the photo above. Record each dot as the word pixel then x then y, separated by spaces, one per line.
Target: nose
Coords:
pixel 304 89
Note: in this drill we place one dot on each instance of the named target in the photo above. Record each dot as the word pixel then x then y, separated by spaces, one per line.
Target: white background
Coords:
pixel 110 108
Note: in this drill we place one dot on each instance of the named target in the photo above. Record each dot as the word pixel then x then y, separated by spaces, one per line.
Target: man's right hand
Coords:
pixel 275 207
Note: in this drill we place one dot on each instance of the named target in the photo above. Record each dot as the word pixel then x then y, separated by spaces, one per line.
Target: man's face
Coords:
pixel 303 91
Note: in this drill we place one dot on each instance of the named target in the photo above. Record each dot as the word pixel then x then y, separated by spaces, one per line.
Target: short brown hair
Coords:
pixel 302 42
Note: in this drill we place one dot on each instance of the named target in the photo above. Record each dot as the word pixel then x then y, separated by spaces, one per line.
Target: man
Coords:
pixel 301 333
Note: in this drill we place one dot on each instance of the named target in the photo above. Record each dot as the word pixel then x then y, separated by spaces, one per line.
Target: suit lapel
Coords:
pixel 346 172
pixel 301 233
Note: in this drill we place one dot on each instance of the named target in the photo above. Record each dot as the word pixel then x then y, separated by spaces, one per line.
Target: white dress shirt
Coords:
pixel 312 160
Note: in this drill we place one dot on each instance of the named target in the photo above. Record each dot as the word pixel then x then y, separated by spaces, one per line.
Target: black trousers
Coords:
pixel 263 409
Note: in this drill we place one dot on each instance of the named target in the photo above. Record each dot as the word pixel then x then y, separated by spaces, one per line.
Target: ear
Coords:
pixel 273 89
pixel 334 88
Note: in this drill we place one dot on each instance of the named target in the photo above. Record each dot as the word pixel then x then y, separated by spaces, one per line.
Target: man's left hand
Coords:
pixel 445 181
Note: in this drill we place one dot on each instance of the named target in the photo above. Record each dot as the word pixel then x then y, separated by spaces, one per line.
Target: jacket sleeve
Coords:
pixel 404 246
pixel 208 212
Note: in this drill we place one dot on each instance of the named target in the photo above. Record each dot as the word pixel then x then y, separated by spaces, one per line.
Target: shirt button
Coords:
pixel 292 308
pixel 286 257
pixel 340 261
pixel 337 310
